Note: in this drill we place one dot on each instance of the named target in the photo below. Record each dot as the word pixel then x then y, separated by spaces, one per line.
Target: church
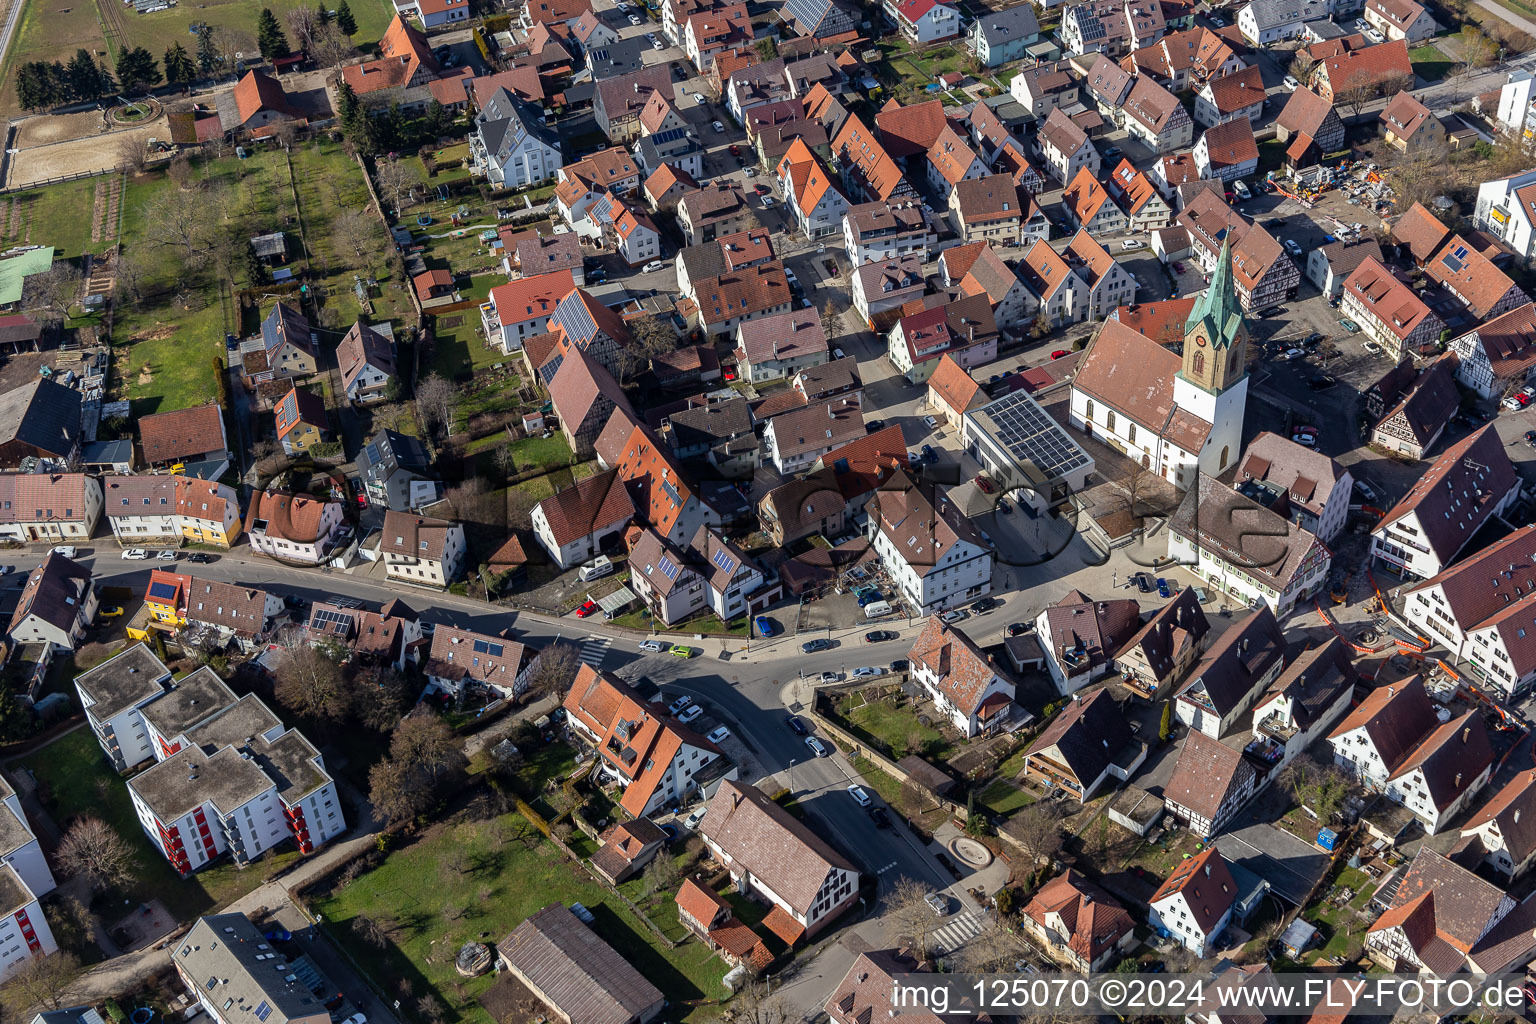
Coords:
pixel 1178 415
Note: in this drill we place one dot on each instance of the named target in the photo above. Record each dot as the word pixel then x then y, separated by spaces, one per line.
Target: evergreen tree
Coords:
pixel 256 271
pixel 344 19
pixel 269 35
pixel 179 69
pixel 436 121
pixel 207 52
pixel 322 15
pixel 85 77
pixel 392 129
pixel 37 88
pixel 136 70
pixel 346 102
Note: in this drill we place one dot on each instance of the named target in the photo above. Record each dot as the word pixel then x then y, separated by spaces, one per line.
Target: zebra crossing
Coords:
pixel 594 649
pixel 962 929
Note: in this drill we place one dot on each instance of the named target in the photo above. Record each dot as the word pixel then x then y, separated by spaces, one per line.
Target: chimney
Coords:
pixel 1466 734
pixel 1207 869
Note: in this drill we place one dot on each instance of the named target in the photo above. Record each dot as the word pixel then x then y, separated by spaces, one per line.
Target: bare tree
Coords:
pixel 994 949
pixel 554 670
pixel 39 981
pixel 1354 98
pixel 396 181
pixel 1037 828
pixel 381 694
pixel 1135 484
pixel 424 760
pixel 133 153
pixel 912 800
pixel 331 47
pixel 661 874
pixel 231 43
pixel 353 231
pixel 474 502
pixel 437 400
pixel 301 27
pixel 93 850
pixel 309 681
pixel 181 171
pixel 129 274
pixel 908 910
pixel 755 1005
pixel 1302 65
pixel 179 219
pixel 50 294
pixel 370 931
pixel 831 321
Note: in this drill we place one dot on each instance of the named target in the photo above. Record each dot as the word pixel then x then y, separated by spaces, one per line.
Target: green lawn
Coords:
pixel 877 779
pixel 548 451
pixel 894 727
pixel 59 215
pixel 708 623
pixel 1002 798
pixel 459 349
pixel 1429 63
pixel 511 872
pixel 77 780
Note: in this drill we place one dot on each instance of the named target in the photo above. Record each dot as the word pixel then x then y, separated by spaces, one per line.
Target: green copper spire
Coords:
pixel 1217 309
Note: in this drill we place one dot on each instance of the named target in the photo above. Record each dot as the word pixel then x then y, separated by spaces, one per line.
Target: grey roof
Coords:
pixel 69 1015
pixel 54 592
pixel 613 59
pixel 578 973
pixel 14 833
pixel 1088 735
pixel 388 452
pixel 1239 659
pixel 999 27
pixel 1273 13
pixel 123 680
pixel 42 414
pixel 107 453
pixel 234 724
pixel 826 378
pixel 705 424
pixel 703 261
pixel 292 763
pixel 14 894
pixel 285 323
pixel 505 121
pixel 232 961
pixel 189 778
pixel 190 701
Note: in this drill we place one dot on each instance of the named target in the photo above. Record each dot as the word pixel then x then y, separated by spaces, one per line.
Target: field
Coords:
pixel 165 344
pixel 74 779
pixel 1429 63
pixel 55 29
pixel 58 215
pixel 479 880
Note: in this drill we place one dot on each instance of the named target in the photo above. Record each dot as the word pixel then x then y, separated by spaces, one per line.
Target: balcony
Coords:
pixel 1275 726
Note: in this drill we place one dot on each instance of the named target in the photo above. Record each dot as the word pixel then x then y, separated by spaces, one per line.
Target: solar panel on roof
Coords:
pixel 324 618
pixel 162 590
pixel 668 569
pixel 572 315
pixel 1452 262
pixel 1029 435
pixel 724 561
pixel 487 647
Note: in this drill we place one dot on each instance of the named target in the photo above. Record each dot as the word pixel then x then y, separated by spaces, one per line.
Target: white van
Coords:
pixel 877 609
pixel 596 569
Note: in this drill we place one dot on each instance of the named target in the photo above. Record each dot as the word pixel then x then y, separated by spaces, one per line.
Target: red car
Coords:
pixel 729 373
pixel 587 608
pixel 1178 268
pixel 1059 353
pixel 984 484
pixel 735 150
pixel 761 189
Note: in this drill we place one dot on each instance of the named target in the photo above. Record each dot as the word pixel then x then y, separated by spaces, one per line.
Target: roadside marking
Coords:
pixel 594 649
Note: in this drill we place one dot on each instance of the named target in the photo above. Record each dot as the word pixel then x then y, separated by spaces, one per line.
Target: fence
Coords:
pixel 51 181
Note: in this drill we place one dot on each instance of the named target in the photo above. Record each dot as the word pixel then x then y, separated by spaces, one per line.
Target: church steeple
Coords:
pixel 1215 335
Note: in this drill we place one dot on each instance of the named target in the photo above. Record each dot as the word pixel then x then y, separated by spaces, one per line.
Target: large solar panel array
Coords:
pixel 572 315
pixel 1090 26
pixel 329 620
pixel 1029 435
pixel 807 12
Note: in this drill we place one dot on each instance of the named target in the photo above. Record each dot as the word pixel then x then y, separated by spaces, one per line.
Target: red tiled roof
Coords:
pixel 963 673
pixel 1207 885
pixel 258 91
pixel 592 504
pixel 1472 276
pixel 908 131
pixel 168 436
pixel 1421 231
pixel 1373 65
pixel 1237 90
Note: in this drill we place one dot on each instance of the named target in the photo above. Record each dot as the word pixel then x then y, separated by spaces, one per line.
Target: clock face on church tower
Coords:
pixel 1200 340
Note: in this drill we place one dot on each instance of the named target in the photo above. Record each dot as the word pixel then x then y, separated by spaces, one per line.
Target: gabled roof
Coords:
pixel 1486 582
pixel 1405 115
pixel 1081 633
pixel 1236 90
pixel 954 384
pixel 1206 772
pixel 1304 113
pixel 1231 144
pixel 1421 231
pixel 53 592
pixel 1235 529
pixel 1440 901
pixel 403 51
pixel 1085 195
pixel 910 130
pixel 991 198
pixel 580 384
pixel 1306 475
pixel 297 407
pixel 1388 298
pixel 168 436
pixel 591 504
pixel 1396 717
pixel 1207 886
pixel 1512 810
pixel 1061 133
pixel 921 526
pixel 1508 341
pixel 581 976
pixel 1458 493
pixel 1372 65
pixel 962 673
pixel 1155 107
pixel 361 348
pixel 1093 920
pixel 1237 661
pixel 1426 409
pixel 1133 374
pixel 258 91
pixel 1174 629
pixel 1087 734
pixel 776 847
pixel 1472 276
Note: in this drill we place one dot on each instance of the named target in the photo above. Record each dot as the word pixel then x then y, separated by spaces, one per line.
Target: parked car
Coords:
pixel 202 558
pixel 1305 438
pixel 1372 348
pixel 880 636
pixel 1020 628
pixel 955 615
pixel 1133 243
pixel 764 627
pixel 588 607
pixel 1516 401
pixel 985 484
pixel 1290 83
pixel 109 612
pixel 1163 590
pixel 830 677
pixel 653 646
pixel 899 665
pixel 985 605
pixel 1218 21
pixel 1291 247
pixel 719 128
pixel 879 817
pixel 1322 383
pixel 135 553
pixel 859 796
pixel 718 735
pixel 1349 325
pixel 679 651
pixel 653 266
pixel 938 902
pixel 678 704
pixel 866 672
pixel 1369 493
pixel 1316 337
pixel 930 423
pixel 1530 438
pixel 1060 353
pixel 767 202
pixel 67 550
pixel 691 713
pixel 1293 353
pixel 1144 583
pixel 812 646
pixel 691 823
pixel 795 725
pixel 929 455
pixel 818 748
